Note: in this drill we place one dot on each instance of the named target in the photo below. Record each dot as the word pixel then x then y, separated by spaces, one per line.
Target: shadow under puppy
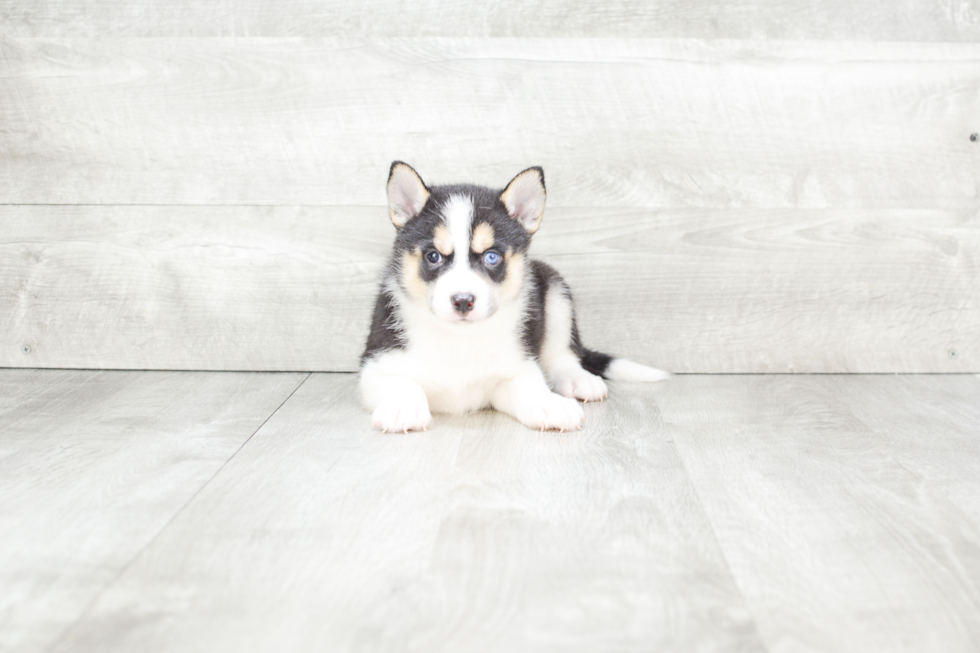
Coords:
pixel 465 321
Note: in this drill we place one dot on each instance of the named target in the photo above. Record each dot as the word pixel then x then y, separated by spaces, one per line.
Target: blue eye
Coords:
pixel 434 257
pixel 491 258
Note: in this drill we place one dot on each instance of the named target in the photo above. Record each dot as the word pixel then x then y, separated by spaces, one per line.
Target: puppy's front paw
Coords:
pixel 582 385
pixel 554 413
pixel 394 418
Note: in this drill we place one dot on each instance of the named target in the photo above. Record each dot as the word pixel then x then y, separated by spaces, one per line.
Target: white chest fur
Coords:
pixel 458 365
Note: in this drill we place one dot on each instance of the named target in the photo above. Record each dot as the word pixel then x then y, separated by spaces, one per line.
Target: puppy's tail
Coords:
pixel 620 369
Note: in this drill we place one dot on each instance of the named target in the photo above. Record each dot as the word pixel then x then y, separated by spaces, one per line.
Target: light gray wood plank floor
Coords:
pixel 93 465
pixel 848 507
pixel 728 513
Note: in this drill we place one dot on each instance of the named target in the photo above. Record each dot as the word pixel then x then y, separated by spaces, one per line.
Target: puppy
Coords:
pixel 464 320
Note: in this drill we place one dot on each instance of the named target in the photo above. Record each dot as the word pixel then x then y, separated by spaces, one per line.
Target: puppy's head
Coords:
pixel 461 249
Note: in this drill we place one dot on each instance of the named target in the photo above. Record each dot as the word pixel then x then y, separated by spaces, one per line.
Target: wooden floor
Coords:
pixel 186 511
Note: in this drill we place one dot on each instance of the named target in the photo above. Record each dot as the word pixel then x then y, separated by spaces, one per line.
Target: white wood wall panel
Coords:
pixel 625 123
pixel 93 466
pixel 878 20
pixel 693 290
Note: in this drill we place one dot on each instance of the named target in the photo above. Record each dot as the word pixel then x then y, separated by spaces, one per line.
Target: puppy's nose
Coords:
pixel 463 303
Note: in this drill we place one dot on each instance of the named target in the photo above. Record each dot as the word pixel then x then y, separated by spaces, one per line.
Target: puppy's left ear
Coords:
pixel 524 198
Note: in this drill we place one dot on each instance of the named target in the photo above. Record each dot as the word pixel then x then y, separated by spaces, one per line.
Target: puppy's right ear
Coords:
pixel 407 193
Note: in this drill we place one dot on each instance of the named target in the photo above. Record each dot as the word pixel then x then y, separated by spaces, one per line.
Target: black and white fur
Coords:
pixel 465 321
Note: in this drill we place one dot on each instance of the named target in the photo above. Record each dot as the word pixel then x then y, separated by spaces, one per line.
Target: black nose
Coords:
pixel 463 303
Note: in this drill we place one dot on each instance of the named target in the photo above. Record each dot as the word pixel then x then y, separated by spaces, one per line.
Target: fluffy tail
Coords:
pixel 620 369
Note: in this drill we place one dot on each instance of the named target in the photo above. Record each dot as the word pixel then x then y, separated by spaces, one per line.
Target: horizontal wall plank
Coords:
pixel 695 290
pixel 624 123
pixel 93 466
pixel 899 20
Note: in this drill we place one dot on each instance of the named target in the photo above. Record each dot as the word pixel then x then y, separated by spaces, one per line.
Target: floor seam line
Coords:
pixel 714 536
pixel 122 570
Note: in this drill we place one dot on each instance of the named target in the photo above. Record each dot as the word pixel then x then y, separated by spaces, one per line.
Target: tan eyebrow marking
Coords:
pixel 442 240
pixel 482 238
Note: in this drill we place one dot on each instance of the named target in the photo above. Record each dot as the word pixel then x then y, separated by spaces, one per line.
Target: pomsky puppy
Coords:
pixel 464 320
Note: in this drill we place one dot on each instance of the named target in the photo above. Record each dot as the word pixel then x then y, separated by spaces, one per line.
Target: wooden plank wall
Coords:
pixel 778 186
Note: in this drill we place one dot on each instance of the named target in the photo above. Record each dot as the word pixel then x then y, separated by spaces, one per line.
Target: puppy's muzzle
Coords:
pixel 463 303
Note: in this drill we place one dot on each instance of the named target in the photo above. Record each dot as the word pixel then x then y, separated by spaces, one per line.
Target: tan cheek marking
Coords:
pixel 413 283
pixel 511 286
pixel 442 240
pixel 482 238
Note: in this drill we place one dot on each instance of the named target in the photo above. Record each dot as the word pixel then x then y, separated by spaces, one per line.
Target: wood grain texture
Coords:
pixel 291 288
pixel 846 506
pixel 592 542
pixel 334 519
pixel 93 465
pixel 878 20
pixel 614 122
pixel 476 536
